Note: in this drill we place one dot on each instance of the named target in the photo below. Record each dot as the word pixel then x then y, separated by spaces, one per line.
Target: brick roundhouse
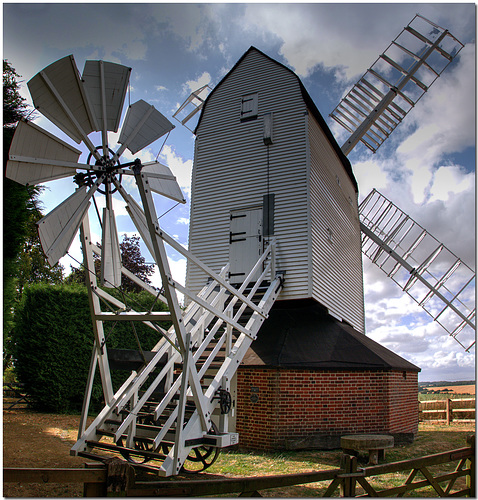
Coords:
pixel 321 380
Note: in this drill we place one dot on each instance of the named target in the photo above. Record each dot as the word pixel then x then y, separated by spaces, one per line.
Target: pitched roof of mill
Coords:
pixel 317 341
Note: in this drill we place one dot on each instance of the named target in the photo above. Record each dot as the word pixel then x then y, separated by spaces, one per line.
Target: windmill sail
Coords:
pixel 441 283
pixel 162 181
pixel 395 82
pixel 58 94
pixel 192 105
pixel 110 251
pixel 142 126
pixel 59 227
pixel 106 84
pixel 37 156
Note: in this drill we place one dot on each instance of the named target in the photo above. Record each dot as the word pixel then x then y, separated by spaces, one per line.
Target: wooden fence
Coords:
pixel 117 478
pixel 447 410
pixel 14 395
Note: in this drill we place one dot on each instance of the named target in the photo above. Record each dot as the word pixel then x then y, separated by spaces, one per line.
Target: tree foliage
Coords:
pixel 32 264
pixel 53 342
pixel 131 259
pixel 14 105
pixel 23 259
pixel 134 262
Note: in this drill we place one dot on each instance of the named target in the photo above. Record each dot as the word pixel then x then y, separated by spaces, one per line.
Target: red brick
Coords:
pixel 290 404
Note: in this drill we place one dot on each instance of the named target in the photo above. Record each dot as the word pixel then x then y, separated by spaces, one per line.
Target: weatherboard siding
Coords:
pixel 313 192
pixel 230 170
pixel 336 242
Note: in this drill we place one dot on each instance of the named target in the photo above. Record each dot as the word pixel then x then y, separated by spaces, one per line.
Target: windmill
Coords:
pixel 172 412
pixel 162 415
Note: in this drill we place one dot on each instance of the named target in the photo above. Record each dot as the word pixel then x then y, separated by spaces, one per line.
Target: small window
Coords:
pixel 249 107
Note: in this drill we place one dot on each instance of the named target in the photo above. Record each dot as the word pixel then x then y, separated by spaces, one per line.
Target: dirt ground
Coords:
pixel 37 440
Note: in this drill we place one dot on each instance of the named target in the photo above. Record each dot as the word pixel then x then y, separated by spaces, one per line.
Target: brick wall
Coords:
pixel 403 396
pixel 290 409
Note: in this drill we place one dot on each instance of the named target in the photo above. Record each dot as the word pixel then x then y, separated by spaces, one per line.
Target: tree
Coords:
pixel 131 259
pixel 134 262
pixel 23 259
pixel 15 200
pixel 14 106
pixel 32 264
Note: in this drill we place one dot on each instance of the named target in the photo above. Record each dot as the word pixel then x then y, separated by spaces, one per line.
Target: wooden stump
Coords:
pixel 374 444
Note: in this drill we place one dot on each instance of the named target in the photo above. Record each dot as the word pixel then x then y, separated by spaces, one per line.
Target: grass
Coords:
pixel 432 397
pixel 36 432
pixel 431 439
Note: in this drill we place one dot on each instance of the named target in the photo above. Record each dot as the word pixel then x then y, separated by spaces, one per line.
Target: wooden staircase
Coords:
pixel 161 419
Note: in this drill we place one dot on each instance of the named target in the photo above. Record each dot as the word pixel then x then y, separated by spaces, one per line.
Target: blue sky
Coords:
pixel 427 167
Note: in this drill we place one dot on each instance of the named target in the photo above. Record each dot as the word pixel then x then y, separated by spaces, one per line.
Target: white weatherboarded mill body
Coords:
pixel 267 165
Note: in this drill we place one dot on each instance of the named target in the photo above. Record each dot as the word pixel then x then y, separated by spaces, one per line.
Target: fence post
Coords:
pixel 470 463
pixel 349 465
pixel 93 489
pixel 120 477
pixel 448 411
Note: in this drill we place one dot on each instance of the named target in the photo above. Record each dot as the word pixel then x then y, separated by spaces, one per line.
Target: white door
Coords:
pixel 246 244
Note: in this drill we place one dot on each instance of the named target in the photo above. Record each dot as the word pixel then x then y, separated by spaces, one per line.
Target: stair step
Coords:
pixel 102 458
pixel 127 451
pixel 145 440
pixel 148 432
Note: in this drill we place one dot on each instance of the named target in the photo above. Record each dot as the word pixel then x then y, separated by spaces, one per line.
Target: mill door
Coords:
pixel 245 243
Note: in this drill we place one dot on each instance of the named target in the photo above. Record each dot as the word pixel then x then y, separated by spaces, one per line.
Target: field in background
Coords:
pixel 455 389
pixel 444 390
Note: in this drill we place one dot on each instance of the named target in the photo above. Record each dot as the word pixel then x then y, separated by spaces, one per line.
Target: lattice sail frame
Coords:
pixel 441 283
pixel 395 82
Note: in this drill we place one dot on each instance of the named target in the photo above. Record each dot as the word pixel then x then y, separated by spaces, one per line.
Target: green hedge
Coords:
pixel 53 341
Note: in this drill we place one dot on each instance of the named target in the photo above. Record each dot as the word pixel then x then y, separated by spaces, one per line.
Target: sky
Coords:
pixel 426 167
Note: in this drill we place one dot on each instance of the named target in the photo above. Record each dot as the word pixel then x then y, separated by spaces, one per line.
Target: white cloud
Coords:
pixel 317 41
pixel 115 34
pixel 184 21
pixel 183 220
pixel 443 359
pixel 448 181
pixel 192 85
pixel 178 272
pixel 181 168
pixel 370 174
pixel 134 50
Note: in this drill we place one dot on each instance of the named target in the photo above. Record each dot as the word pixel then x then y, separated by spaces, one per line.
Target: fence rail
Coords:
pixel 447 410
pixel 117 478
pixel 14 395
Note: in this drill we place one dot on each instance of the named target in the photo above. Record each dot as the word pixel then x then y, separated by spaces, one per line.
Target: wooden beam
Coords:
pixel 223 486
pixel 57 475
